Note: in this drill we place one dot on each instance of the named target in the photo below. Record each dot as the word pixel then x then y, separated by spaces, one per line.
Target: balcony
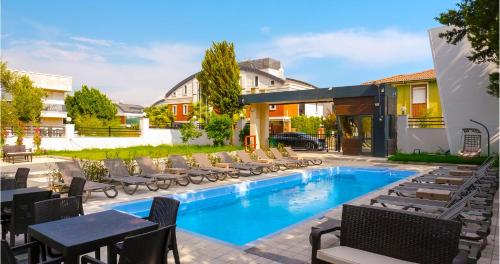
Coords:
pixel 54 110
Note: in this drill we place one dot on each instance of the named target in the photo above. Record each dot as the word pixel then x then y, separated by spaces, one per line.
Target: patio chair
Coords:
pixel 382 235
pixel 246 159
pixel 8 253
pixel 148 169
pixel 7 184
pixel 21 177
pixel 471 143
pixel 117 172
pixel 292 154
pixel 255 169
pixel 196 176
pixel 282 164
pixel 53 210
pixel 147 247
pixel 164 212
pixel 71 170
pixel 76 189
pixel 296 162
pixel 204 163
pixel 22 214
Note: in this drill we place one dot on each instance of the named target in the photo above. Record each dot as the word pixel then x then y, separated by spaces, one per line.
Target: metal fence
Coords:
pixel 173 125
pixel 108 132
pixel 426 122
pixel 45 131
pixel 306 141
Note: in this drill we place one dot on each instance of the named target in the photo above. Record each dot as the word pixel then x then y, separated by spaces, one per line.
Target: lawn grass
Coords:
pixel 434 158
pixel 137 151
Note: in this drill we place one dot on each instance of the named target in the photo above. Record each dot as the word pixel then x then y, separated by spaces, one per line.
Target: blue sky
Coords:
pixel 136 50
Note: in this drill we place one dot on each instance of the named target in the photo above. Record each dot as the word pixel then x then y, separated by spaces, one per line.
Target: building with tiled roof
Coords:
pixel 418 93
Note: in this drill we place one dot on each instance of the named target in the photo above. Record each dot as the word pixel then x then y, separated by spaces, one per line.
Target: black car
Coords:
pixel 298 140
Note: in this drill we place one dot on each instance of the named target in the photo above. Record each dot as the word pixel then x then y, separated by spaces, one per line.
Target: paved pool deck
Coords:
pixel 291 245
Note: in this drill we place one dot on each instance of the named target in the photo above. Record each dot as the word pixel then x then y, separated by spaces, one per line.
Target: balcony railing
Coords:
pixel 54 108
pixel 45 131
pixel 426 122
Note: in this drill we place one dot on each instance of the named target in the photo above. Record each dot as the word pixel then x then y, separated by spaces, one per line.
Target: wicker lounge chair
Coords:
pixel 117 172
pixel 70 170
pixel 282 164
pixel 204 163
pixel 148 169
pixel 382 235
pixel 196 176
pixel 228 161
pixel 246 159
pixel 297 162
pixel 293 155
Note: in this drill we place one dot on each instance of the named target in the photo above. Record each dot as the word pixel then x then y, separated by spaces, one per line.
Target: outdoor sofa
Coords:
pixel 11 152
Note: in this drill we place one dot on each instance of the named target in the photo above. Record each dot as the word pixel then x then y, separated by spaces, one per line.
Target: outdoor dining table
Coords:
pixel 83 234
pixel 8 195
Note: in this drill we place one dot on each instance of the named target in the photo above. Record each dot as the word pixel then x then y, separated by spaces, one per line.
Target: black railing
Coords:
pixel 327 142
pixel 173 126
pixel 426 122
pixel 108 132
pixel 54 108
pixel 45 131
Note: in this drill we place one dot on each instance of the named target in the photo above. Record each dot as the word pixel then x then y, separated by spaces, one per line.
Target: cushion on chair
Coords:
pixel 348 255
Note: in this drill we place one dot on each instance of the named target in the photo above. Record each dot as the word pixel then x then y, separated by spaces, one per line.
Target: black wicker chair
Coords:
pixel 22 214
pixel 144 248
pixel 164 212
pixel 76 189
pixel 9 254
pixel 7 184
pixel 56 209
pixel 22 177
pixel 391 233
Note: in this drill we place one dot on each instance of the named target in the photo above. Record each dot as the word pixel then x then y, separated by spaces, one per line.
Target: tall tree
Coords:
pixel 219 78
pixel 478 21
pixel 90 102
pixel 22 101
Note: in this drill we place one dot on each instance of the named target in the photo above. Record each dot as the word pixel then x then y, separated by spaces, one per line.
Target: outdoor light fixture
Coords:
pixel 68 119
pixel 377 104
pixel 403 110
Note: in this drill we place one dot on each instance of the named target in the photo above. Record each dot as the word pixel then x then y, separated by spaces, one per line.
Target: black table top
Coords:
pixel 83 234
pixel 7 195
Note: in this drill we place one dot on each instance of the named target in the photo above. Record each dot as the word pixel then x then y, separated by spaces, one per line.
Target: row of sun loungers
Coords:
pixel 467 201
pixel 180 172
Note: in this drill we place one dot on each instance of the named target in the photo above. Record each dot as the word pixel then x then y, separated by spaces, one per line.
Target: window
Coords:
pixel 185 109
pixel 256 81
pixel 185 89
pixel 174 94
pixel 174 109
pixel 272 82
pixel 272 107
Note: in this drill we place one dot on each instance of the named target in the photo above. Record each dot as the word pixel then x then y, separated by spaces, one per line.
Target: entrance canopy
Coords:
pixel 322 95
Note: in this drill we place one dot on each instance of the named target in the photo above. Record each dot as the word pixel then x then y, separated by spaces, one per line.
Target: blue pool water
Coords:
pixel 244 212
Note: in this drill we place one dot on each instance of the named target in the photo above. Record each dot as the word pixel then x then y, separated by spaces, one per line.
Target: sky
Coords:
pixel 135 51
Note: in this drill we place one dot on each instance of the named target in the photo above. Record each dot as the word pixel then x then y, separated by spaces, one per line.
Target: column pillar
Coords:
pixel 259 124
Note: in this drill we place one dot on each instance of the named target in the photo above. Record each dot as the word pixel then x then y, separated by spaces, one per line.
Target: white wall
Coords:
pixel 462 88
pixel 149 136
pixel 428 140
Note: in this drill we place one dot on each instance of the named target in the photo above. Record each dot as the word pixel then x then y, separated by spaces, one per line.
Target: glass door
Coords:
pixel 366 134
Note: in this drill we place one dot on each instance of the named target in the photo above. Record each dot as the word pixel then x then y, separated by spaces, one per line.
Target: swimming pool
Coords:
pixel 241 213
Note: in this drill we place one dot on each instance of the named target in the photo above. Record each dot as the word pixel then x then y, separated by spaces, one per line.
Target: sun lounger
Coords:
pixel 246 159
pixel 149 170
pixel 227 161
pixel 196 176
pixel 297 162
pixel 204 164
pixel 117 172
pixel 72 169
pixel 293 155
pixel 282 164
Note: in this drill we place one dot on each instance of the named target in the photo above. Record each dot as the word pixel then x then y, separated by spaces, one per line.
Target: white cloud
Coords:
pixel 357 46
pixel 99 42
pixel 134 74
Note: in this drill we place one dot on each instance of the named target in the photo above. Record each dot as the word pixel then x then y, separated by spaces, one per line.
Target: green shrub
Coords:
pixel 219 129
pixel 94 170
pixel 189 131
pixel 306 124
pixel 434 158
pixel 244 132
